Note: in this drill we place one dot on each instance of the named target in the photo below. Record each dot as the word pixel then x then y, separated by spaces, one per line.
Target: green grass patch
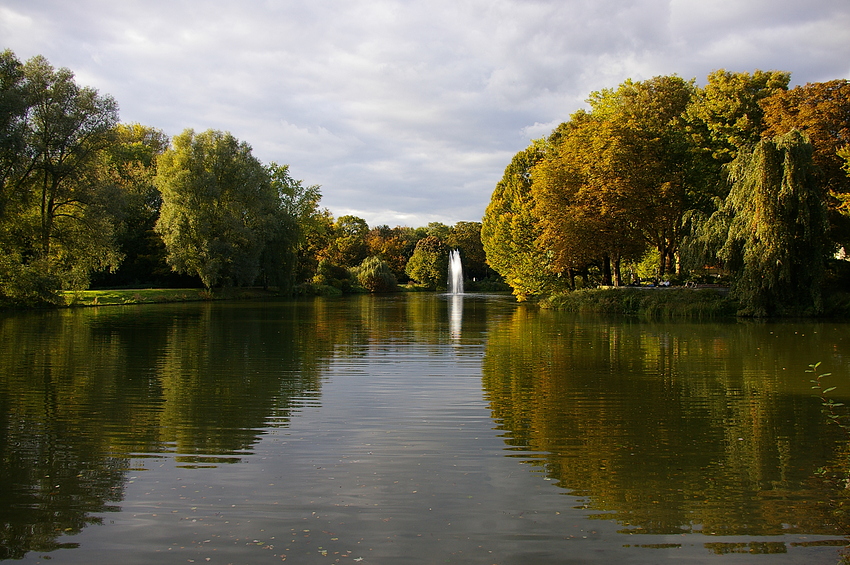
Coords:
pixel 113 297
pixel 646 303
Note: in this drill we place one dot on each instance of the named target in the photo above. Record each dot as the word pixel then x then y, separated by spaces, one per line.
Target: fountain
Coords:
pixel 455 273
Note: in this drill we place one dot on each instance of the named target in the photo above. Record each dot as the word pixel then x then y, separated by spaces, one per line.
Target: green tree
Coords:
pixel 129 163
pixel 726 114
pixel 439 230
pixel 509 230
pixel 429 264
pixel 297 206
pixel 466 238
pixel 15 159
pixel 374 275
pixel 218 207
pixel 771 228
pixel 724 117
pixel 348 247
pixel 68 223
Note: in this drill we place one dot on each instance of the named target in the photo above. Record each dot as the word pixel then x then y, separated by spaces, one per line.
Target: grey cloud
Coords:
pixel 407 109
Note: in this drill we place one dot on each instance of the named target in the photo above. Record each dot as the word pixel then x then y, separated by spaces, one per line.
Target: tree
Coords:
pixel 584 221
pixel 318 234
pixel 375 275
pixel 726 114
pixel 393 245
pixel 297 206
pixel 439 230
pixel 771 228
pixel 509 230
pixel 68 224
pixel 429 264
pixel 822 112
pixel 348 247
pixel 656 172
pixel 15 160
pixel 129 163
pixel 218 207
pixel 466 238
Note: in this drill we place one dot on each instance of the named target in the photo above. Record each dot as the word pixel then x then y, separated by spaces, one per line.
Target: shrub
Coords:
pixel 26 285
pixel 329 274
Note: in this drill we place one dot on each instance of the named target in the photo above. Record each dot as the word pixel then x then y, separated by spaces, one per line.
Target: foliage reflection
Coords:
pixel 670 428
pixel 83 393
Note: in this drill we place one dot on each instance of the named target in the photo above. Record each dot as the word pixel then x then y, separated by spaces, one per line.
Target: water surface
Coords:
pixel 413 429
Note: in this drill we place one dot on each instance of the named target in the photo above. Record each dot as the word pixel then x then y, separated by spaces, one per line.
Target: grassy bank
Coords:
pixel 75 298
pixel 648 303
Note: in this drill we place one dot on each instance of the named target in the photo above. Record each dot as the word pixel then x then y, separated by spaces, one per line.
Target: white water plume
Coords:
pixel 455 273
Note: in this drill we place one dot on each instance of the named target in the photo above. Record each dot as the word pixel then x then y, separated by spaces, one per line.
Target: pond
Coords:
pixel 415 428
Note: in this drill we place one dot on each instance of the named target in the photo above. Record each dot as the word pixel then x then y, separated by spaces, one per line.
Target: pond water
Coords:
pixel 414 428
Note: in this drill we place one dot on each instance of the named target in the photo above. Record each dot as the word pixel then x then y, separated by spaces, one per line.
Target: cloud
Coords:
pixel 407 111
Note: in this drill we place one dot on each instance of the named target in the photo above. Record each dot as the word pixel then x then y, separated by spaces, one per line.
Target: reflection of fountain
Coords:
pixel 455 315
pixel 455 273
pixel 456 292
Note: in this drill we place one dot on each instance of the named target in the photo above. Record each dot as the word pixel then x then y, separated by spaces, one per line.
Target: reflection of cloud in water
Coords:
pixel 455 315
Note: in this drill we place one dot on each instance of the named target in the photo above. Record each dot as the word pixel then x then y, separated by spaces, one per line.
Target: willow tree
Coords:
pixel 375 275
pixel 218 206
pixel 509 230
pixel 772 228
pixel 822 111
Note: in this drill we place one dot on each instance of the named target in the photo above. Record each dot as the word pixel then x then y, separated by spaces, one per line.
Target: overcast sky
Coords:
pixel 406 112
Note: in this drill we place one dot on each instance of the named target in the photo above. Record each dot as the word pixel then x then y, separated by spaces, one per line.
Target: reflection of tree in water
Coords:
pixel 51 482
pixel 666 428
pixel 84 392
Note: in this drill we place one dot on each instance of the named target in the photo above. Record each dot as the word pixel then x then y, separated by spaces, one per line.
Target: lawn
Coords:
pixel 154 295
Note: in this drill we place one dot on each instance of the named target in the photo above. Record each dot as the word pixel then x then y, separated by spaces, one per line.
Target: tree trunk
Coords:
pixel 662 262
pixel 606 270
pixel 618 279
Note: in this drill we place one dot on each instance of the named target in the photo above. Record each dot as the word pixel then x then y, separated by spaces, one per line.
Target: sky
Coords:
pixel 406 112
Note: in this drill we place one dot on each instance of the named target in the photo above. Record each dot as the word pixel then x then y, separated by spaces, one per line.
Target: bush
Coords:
pixel 659 303
pixel 329 274
pixel 311 289
pixel 489 284
pixel 26 285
